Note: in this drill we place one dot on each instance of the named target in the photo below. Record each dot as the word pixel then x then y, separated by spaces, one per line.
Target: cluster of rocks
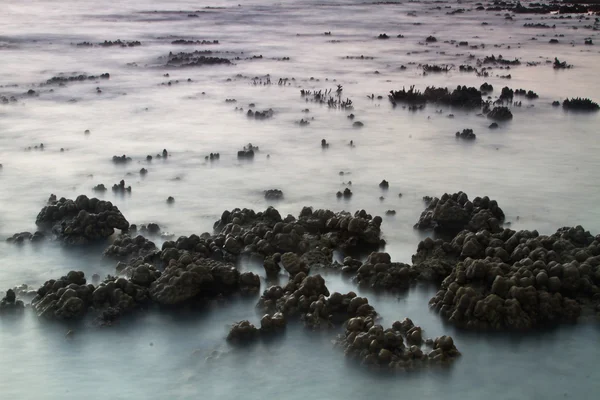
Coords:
pixel 164 154
pixel 486 87
pixel 21 237
pixel 120 43
pixel 99 188
pixel 121 159
pixel 191 277
pixel 71 297
pixel 530 94
pixel 244 331
pixel 466 134
pixel 121 188
pixel 379 272
pixel 80 221
pixel 266 114
pixel 248 151
pixel 126 247
pixel 455 212
pixel 346 194
pixel 266 233
pixel 273 194
pixel 500 113
pixel 520 279
pixel 308 298
pixel 398 348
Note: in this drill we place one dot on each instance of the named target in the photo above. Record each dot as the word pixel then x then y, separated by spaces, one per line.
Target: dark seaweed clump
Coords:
pixel 76 78
pixel 580 104
pixel 462 96
pixel 193 59
pixel 499 60
pixel 190 42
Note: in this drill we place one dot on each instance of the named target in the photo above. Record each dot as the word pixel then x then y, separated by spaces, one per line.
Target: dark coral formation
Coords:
pixel 193 277
pixel 521 279
pixel 462 96
pixel 500 114
pixel 580 104
pixel 466 134
pixel 80 221
pixel 194 59
pixel 76 78
pixel 397 348
pixel 455 212
pixel 126 247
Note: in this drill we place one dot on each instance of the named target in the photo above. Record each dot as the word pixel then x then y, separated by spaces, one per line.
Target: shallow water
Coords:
pixel 541 167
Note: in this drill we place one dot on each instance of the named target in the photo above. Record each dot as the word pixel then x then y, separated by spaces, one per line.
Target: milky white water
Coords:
pixel 541 167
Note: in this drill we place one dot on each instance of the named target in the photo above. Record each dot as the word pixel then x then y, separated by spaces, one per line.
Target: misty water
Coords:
pixel 542 167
